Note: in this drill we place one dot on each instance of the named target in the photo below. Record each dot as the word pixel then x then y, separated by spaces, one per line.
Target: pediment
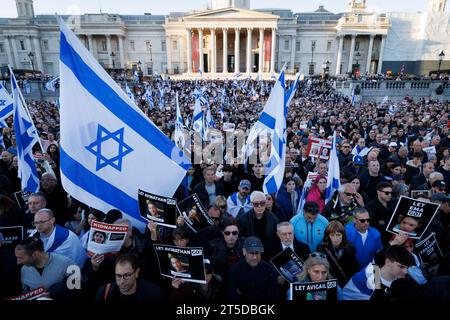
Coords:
pixel 231 13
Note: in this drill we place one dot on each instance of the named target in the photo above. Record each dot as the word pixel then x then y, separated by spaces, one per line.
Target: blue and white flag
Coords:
pixel 197 119
pixel 237 75
pixel 2 143
pixel 179 126
pixel 6 105
pixel 353 97
pixel 26 138
pixel 113 149
pixel 27 87
pixel 129 93
pixel 333 182
pixel 187 122
pixel 50 85
pixel 209 122
pixel 149 97
pixel 161 98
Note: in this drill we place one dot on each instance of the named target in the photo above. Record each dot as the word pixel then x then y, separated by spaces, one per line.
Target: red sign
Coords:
pixel 318 148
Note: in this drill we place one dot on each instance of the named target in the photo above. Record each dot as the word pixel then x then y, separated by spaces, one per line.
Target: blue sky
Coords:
pixel 166 6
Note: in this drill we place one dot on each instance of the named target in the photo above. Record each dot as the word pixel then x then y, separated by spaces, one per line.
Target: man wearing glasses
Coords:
pixel 381 209
pixel 344 155
pixel 127 286
pixel 365 239
pixel 260 223
pixel 342 205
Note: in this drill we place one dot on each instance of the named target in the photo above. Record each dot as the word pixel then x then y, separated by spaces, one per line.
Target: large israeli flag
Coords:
pixel 6 105
pixel 109 148
pixel 333 182
pixel 26 138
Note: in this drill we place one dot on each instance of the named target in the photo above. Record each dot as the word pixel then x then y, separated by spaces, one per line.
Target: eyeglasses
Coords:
pixel 386 192
pixel 223 207
pixel 347 147
pixel 317 254
pixel 349 194
pixel 37 223
pixel 125 276
pixel 364 220
pixel 259 204
pixel 234 233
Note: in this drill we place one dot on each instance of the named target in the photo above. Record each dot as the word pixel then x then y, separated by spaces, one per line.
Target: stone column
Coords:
pixel 249 51
pixel 90 43
pixel 237 34
pixel 200 47
pixel 213 51
pixel 225 50
pixel 272 50
pixel 189 50
pixel 261 50
pixel 339 54
pixel 121 52
pixel 180 53
pixel 29 47
pixel 9 52
pixel 15 53
pixel 352 52
pixel 108 48
pixel 169 54
pixel 38 54
pixel 293 39
pixel 380 59
pixel 369 53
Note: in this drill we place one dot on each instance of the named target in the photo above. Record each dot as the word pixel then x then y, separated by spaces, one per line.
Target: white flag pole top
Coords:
pixel 109 148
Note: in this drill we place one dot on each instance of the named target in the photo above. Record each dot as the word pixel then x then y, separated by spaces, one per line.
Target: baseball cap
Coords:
pixel 393 144
pixel 439 184
pixel 253 245
pixel 358 160
pixel 245 184
pixel 439 196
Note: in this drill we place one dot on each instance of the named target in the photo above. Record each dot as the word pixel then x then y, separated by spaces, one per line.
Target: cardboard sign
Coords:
pixel 185 263
pixel 318 148
pixel 417 193
pixel 11 236
pixel 106 238
pixel 412 216
pixel 30 295
pixel 430 151
pixel 428 250
pixel 194 214
pixel 288 264
pixel 323 290
pixel 22 198
pixel 159 209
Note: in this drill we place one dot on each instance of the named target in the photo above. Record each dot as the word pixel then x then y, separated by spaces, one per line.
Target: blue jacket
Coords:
pixel 285 210
pixel 364 253
pixel 311 234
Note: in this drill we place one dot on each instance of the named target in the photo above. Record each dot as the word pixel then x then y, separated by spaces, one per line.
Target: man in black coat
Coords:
pixel 208 189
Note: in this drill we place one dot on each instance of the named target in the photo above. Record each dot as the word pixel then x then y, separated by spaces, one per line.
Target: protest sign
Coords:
pixel 194 214
pixel 323 290
pixel 159 209
pixel 318 148
pixel 412 216
pixel 288 264
pixel 228 126
pixel 29 295
pixel 418 193
pixel 430 151
pixel 428 250
pixel 22 198
pixel 106 238
pixel 185 263
pixel 10 236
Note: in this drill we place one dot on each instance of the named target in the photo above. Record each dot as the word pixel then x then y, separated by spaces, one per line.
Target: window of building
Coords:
pixel 22 45
pixel 45 45
pixel 297 46
pixel 132 48
pixel 328 45
pixel 286 44
pixel 104 47
pixel 2 47
pixel 163 45
pixel 356 45
pixel 174 45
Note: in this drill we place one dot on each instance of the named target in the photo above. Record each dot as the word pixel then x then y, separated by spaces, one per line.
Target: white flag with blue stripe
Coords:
pixel 129 93
pixel 109 148
pixel 197 118
pixel 27 87
pixel 179 126
pixel 50 85
pixel 333 182
pixel 149 97
pixel 26 138
pixel 6 105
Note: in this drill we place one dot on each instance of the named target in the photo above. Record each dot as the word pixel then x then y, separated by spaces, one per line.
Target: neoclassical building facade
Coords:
pixel 229 38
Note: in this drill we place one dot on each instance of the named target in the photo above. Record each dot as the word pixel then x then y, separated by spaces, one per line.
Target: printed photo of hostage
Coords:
pixel 98 237
pixel 106 239
pixel 179 266
pixel 288 264
pixel 194 214
pixel 412 216
pixel 158 209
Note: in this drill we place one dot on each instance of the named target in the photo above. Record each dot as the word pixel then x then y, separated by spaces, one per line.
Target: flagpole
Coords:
pixel 47 165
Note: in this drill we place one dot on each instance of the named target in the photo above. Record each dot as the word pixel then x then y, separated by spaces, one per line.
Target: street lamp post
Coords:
pixel 326 69
pixel 31 56
pixel 113 55
pixel 311 67
pixel 441 57
pixel 358 55
pixel 140 70
pixel 151 59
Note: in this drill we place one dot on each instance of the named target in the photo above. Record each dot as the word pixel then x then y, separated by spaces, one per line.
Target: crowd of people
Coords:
pixel 381 157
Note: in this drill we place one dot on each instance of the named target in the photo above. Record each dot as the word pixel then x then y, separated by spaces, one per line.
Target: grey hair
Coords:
pixel 49 174
pixel 256 194
pixel 359 211
pixel 311 262
pixel 38 195
pixel 283 224
pixel 120 220
pixel 48 212
pixel 344 186
pixel 435 175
